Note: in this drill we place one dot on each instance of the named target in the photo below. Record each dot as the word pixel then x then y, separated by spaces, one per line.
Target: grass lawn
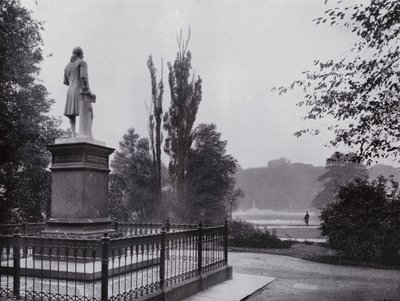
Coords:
pixel 316 252
pixel 309 232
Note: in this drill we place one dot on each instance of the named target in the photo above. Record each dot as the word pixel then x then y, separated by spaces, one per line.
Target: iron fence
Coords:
pixel 25 228
pixel 124 268
pixel 138 229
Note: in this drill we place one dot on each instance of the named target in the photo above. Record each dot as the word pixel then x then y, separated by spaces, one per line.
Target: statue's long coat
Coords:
pixel 76 77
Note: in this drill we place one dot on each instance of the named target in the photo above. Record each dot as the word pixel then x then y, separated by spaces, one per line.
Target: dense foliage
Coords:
pixel 245 235
pixel 131 189
pixel 117 204
pixel 179 122
pixel 360 91
pixel 291 186
pixel 25 127
pixel 364 222
pixel 340 170
pixel 210 176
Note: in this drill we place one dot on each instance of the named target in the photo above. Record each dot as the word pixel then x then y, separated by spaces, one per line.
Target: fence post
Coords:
pixel 226 242
pixel 104 266
pixel 162 256
pixel 167 225
pixel 17 263
pixel 200 249
pixel 24 228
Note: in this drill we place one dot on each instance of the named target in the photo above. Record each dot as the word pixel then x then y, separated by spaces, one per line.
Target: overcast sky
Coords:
pixel 241 49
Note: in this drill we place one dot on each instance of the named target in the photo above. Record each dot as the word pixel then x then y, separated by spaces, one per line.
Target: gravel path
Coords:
pixel 298 279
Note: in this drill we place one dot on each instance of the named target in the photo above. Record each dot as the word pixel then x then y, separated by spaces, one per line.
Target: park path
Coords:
pixel 298 279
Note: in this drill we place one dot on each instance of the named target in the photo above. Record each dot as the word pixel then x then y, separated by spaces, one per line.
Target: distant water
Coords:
pixel 274 217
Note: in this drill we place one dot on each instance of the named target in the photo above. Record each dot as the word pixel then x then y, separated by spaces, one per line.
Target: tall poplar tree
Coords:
pixel 155 121
pixel 185 99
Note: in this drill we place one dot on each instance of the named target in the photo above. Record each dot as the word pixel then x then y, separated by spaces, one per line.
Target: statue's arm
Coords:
pixel 84 77
pixel 66 81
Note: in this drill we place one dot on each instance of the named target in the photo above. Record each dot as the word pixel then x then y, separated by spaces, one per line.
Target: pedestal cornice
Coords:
pixel 80 155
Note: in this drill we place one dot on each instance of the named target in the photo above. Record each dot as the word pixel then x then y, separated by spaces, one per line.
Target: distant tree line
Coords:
pixel 340 170
pixel 281 185
pixel 294 186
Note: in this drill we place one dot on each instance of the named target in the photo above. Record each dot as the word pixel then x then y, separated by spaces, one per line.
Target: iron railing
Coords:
pixel 139 229
pixel 124 268
pixel 25 228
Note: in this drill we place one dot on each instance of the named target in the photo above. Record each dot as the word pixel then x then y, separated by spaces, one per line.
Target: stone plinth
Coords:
pixel 79 196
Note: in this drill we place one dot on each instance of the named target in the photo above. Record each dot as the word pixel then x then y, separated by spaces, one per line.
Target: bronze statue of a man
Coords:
pixel 79 97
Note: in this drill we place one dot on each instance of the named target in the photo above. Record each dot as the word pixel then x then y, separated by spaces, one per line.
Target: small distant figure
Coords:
pixel 306 218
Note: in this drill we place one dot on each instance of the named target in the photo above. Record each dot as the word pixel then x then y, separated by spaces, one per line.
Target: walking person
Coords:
pixel 306 218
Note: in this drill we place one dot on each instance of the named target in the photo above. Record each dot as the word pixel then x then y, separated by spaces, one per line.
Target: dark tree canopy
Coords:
pixel 364 222
pixel 117 205
pixel 211 176
pixel 360 91
pixel 279 163
pixel 341 169
pixel 133 168
pixel 25 127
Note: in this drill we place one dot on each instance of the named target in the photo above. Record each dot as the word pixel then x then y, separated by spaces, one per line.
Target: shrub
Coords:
pixel 244 234
pixel 364 221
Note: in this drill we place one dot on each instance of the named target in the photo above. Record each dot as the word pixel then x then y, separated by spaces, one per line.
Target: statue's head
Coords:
pixel 77 51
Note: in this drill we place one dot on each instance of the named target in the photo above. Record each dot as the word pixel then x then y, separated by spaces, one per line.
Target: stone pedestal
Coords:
pixel 79 197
